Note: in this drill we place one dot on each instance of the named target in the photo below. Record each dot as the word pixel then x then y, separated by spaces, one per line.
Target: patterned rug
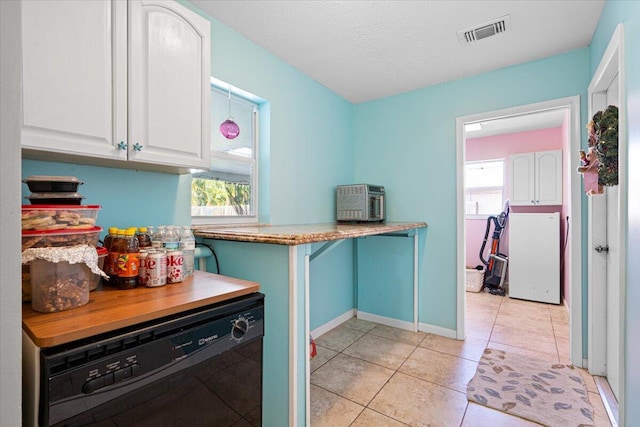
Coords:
pixel 549 394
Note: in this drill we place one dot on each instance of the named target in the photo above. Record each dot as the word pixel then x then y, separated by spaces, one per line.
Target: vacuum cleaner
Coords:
pixel 496 263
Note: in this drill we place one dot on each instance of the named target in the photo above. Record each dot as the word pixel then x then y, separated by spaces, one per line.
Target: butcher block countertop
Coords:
pixel 303 233
pixel 109 308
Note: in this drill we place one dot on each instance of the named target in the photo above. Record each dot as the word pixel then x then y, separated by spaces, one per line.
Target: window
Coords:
pixel 228 193
pixel 484 187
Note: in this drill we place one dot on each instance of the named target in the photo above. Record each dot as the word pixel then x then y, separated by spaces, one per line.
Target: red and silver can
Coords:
pixel 142 272
pixel 156 269
pixel 175 272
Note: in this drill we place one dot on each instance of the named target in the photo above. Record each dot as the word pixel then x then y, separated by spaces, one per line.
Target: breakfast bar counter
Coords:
pixel 302 233
pixel 334 271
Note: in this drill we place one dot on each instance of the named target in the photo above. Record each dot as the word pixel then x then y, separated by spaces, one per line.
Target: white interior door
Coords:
pixel 606 258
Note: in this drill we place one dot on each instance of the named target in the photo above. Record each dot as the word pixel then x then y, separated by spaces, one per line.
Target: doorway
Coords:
pixel 574 243
pixel 607 241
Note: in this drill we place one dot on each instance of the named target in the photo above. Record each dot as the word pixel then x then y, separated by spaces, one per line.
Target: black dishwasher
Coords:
pixel 198 368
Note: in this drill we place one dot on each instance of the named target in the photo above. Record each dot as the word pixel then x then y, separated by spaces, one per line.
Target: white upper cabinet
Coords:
pixel 116 83
pixel 535 179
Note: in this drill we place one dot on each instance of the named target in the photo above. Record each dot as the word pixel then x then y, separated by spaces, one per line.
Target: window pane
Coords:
pixel 219 197
pixel 484 202
pixel 484 174
pixel 228 190
pixel 242 112
pixel 484 185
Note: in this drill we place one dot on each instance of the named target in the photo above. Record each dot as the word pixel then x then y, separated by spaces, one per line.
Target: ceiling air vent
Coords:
pixel 482 31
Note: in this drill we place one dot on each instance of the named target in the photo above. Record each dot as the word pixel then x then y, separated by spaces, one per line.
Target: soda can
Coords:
pixel 156 269
pixel 142 272
pixel 175 272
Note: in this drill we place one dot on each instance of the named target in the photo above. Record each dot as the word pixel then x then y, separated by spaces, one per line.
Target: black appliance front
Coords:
pixel 200 368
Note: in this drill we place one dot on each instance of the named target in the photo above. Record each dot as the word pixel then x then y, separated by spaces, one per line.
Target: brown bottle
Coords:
pixel 108 240
pixel 129 261
pixel 144 240
pixel 115 248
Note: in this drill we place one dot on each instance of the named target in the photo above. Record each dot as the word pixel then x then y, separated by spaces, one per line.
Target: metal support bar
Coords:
pixel 325 249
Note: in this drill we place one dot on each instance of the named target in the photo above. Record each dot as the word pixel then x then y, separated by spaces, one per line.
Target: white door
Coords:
pixel 605 257
pixel 169 90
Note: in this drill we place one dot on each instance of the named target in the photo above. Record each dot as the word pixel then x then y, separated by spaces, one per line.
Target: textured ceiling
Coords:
pixel 365 50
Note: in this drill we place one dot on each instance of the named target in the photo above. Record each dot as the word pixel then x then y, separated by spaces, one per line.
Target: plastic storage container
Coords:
pixel 57 286
pixel 473 279
pixel 47 183
pixel 55 198
pixel 59 217
pixel 57 238
pixel 95 278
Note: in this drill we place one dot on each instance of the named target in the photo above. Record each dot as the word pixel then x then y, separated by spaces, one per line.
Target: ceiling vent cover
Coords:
pixel 487 29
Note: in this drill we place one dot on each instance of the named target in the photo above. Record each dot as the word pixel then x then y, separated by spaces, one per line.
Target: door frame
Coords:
pixel 574 244
pixel 612 63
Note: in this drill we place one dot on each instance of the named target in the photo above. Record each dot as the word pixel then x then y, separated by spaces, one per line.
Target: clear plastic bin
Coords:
pixel 58 286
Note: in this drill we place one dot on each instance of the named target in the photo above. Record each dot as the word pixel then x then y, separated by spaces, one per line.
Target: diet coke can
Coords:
pixel 156 269
pixel 175 272
pixel 142 272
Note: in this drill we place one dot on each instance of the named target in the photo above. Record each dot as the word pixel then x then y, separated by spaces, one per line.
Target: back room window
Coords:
pixel 484 187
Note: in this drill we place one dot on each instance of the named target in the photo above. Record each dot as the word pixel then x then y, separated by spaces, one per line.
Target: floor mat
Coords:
pixel 549 394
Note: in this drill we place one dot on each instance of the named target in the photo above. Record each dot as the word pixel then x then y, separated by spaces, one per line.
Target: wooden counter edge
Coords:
pixel 40 327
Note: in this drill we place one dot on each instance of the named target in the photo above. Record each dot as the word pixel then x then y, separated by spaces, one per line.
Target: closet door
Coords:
pixel 169 63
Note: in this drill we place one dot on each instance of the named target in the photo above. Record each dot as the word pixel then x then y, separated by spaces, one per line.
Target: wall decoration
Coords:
pixel 603 136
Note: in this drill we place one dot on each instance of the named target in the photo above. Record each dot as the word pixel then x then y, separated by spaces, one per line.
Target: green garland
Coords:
pixel 603 135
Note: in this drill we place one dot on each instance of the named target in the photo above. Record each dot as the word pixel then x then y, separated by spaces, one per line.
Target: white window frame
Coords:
pixel 468 189
pixel 252 161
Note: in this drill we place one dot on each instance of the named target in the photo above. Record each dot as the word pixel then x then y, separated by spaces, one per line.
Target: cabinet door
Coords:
pixel 169 63
pixel 548 177
pixel 74 77
pixel 521 179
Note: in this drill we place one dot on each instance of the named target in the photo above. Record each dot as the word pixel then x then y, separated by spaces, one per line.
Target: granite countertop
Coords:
pixel 292 235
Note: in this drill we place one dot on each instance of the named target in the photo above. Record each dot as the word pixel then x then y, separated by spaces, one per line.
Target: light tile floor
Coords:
pixel 371 375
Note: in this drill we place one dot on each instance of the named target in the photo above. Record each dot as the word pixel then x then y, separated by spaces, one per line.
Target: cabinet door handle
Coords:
pixel 122 145
pixel 137 147
pixel 533 202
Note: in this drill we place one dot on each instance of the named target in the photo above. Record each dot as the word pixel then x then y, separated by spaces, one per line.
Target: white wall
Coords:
pixel 10 295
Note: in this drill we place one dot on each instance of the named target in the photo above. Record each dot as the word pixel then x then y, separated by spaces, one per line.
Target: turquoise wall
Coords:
pixel 408 143
pixel 307 149
pixel 331 289
pixel 628 13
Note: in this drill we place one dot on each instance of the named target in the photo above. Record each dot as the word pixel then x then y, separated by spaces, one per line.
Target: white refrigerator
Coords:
pixel 534 256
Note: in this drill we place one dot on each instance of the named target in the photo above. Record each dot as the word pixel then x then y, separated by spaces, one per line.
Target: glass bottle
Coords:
pixel 188 248
pixel 129 261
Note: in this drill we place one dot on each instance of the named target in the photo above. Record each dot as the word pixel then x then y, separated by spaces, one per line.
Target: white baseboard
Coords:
pixel 388 321
pixel 320 330
pixel 438 330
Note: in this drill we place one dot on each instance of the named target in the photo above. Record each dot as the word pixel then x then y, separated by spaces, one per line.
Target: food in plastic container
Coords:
pixel 55 198
pixel 59 217
pixel 57 238
pixel 95 278
pixel 47 183
pixel 60 277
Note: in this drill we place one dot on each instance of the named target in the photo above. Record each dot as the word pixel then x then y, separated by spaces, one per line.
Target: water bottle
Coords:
pixel 171 240
pixel 188 248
